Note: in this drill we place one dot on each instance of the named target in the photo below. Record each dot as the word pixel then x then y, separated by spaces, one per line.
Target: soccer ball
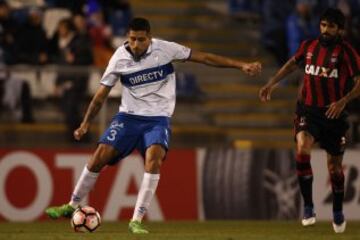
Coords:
pixel 85 219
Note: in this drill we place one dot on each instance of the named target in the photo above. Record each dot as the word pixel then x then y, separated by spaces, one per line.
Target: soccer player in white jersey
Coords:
pixel 144 67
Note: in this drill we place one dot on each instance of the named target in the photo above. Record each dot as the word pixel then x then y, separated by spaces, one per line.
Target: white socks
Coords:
pixel 83 186
pixel 148 187
pixel 145 195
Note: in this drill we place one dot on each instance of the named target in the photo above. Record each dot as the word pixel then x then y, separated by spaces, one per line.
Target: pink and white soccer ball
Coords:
pixel 85 219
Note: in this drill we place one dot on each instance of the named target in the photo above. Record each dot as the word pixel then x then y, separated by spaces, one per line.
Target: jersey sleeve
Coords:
pixel 300 53
pixel 178 51
pixel 352 60
pixel 111 75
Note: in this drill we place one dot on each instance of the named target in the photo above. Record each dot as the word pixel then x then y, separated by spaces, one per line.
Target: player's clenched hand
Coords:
pixel 335 109
pixel 265 92
pixel 252 69
pixel 81 131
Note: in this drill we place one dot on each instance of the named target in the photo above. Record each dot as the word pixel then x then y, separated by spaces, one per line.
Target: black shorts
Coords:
pixel 329 133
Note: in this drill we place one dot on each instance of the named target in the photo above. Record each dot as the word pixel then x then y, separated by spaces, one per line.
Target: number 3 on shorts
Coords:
pixel 112 135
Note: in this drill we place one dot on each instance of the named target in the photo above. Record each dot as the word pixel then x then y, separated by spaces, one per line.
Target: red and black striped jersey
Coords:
pixel 329 71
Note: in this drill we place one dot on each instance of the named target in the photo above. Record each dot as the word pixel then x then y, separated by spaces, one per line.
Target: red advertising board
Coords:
pixel 32 179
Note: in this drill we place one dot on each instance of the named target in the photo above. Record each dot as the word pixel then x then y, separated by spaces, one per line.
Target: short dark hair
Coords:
pixel 334 15
pixel 139 24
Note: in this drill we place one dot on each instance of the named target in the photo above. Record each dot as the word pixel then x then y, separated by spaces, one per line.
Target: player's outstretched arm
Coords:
pixel 268 88
pixel 336 108
pixel 92 110
pixel 210 59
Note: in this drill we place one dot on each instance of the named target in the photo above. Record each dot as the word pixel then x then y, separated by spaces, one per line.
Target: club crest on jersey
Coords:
pixel 124 63
pixel 333 59
pixel 321 71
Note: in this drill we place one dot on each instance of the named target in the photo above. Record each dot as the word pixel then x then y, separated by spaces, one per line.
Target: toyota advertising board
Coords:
pixel 195 184
pixel 31 180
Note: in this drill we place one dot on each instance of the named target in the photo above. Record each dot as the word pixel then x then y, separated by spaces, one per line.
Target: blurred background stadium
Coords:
pixel 234 152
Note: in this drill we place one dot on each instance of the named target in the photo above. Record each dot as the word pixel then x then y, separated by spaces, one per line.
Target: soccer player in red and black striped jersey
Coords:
pixel 331 80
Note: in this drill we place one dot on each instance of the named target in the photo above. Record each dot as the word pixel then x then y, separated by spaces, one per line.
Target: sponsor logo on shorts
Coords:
pixel 302 121
pixel 117 125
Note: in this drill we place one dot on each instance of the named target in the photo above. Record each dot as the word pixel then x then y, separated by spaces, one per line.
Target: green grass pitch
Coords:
pixel 209 230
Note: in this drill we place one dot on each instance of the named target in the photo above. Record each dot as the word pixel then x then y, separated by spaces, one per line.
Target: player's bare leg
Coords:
pixel 154 157
pixel 305 176
pixel 337 183
pixel 103 154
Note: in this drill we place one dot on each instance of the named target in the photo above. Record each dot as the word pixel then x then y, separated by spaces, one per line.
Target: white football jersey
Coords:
pixel 149 83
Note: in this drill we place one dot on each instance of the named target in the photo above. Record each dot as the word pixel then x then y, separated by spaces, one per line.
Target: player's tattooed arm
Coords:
pixel 93 109
pixel 336 108
pixel 287 68
pixel 250 68
pixel 96 103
